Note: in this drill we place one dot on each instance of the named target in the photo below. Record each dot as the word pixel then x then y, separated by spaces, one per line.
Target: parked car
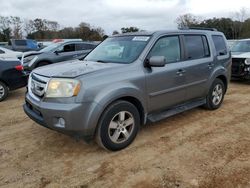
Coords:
pixel 128 80
pixel 10 54
pixel 241 59
pixel 56 52
pixel 231 43
pixel 23 45
pixel 11 77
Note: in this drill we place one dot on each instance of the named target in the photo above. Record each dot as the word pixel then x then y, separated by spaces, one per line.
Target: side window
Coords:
pixel 220 45
pixel 169 47
pixel 196 46
pixel 84 47
pixel 1 52
pixel 69 48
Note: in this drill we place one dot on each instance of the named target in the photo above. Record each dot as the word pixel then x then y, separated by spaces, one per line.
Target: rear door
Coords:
pixel 166 85
pixel 199 63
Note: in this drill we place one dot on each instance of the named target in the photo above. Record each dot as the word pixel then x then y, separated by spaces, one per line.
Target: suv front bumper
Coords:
pixel 79 118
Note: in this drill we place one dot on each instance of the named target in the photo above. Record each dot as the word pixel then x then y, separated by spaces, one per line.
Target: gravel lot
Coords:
pixel 198 148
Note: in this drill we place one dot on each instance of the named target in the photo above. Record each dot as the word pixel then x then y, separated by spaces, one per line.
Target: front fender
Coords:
pixel 108 95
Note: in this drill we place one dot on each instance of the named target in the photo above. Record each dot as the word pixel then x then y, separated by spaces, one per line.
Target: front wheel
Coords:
pixel 216 94
pixel 3 91
pixel 118 126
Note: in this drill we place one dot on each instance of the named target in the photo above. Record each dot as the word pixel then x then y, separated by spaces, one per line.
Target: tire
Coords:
pixel 216 94
pixel 113 133
pixel 4 91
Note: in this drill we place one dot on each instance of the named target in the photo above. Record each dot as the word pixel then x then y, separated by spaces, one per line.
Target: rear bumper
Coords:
pixel 19 82
pixel 78 117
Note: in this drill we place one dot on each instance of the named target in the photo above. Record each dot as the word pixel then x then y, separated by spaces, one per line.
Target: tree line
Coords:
pixel 235 27
pixel 42 29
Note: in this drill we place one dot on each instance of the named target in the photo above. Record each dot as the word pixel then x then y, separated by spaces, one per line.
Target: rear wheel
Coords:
pixel 3 91
pixel 216 95
pixel 118 126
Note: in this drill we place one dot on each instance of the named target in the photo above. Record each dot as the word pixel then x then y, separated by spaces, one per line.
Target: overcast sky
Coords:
pixel 114 14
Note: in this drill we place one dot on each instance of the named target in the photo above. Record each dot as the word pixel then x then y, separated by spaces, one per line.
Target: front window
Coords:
pixel 52 47
pixel 241 46
pixel 124 49
pixel 169 47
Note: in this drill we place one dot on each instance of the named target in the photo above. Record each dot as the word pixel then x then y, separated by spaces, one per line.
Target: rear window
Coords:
pixel 220 45
pixel 20 42
pixel 196 46
pixel 84 47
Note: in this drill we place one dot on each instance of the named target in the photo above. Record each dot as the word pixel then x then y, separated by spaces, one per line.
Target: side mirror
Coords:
pixel 157 61
pixel 57 52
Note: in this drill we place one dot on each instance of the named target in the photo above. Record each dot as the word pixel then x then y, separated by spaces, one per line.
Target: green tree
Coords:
pixel 129 29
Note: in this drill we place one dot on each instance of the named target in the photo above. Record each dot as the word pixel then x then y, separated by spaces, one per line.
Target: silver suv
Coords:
pixel 129 80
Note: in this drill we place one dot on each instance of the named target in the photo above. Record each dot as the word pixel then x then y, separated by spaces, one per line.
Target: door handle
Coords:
pixel 210 65
pixel 180 72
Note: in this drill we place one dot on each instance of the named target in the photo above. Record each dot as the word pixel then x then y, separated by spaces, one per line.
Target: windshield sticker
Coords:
pixel 140 38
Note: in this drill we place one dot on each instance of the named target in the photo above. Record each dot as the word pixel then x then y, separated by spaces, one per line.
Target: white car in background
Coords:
pixel 241 59
pixel 9 54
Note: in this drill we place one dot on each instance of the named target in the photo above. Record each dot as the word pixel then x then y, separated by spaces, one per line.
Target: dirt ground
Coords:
pixel 198 148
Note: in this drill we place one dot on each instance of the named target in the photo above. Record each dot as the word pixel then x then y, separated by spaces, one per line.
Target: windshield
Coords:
pixel 241 46
pixel 125 49
pixel 50 48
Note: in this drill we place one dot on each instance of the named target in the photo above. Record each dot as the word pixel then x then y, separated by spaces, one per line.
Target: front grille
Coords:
pixel 238 67
pixel 37 85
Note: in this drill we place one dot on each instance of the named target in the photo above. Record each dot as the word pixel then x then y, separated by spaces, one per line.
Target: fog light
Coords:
pixel 60 123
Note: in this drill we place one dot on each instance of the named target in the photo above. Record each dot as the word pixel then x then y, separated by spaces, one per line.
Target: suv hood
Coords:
pixel 240 54
pixel 72 69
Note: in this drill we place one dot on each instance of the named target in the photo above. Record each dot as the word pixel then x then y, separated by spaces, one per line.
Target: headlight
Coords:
pixel 247 61
pixel 60 87
pixel 33 60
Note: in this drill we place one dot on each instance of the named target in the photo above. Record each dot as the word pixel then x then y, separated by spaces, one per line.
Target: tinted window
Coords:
pixel 69 48
pixel 169 47
pixel 20 42
pixel 206 47
pixel 196 46
pixel 220 45
pixel 84 47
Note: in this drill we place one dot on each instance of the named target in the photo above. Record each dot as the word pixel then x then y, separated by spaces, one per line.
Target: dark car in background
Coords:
pixel 56 52
pixel 11 77
pixel 241 59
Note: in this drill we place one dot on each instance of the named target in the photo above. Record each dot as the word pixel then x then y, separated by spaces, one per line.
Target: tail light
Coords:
pixel 19 67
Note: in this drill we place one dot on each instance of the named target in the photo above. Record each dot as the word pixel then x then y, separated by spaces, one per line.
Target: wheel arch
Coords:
pixel 131 99
pixel 43 60
pixel 224 80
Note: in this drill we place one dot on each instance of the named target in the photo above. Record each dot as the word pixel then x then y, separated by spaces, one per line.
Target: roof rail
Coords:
pixel 199 28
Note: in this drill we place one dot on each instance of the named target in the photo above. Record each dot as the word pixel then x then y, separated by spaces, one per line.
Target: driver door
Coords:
pixel 166 85
pixel 66 52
